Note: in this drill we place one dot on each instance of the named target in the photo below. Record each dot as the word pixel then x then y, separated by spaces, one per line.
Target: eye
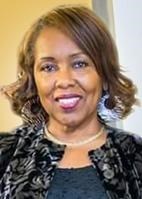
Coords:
pixel 47 67
pixel 80 64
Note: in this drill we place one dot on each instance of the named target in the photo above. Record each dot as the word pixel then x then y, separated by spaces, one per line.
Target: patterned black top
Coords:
pixel 76 183
pixel 28 163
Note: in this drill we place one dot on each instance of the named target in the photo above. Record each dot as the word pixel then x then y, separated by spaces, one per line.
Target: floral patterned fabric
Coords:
pixel 28 162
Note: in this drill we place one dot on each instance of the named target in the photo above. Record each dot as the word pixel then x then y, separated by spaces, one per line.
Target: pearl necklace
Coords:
pixel 73 144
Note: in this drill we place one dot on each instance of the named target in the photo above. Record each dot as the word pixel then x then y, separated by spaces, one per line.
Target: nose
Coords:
pixel 65 78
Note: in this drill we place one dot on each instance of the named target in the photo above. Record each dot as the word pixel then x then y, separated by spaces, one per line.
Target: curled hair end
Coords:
pixel 8 90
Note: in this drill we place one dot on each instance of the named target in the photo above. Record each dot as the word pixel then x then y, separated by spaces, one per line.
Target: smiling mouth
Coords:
pixel 68 103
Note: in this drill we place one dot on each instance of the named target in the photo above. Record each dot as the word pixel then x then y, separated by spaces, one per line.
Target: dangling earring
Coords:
pixel 106 114
pixel 33 113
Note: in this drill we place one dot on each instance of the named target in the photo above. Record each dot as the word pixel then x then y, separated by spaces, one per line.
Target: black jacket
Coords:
pixel 28 162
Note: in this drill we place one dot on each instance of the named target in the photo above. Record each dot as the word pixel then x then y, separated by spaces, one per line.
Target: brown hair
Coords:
pixel 91 35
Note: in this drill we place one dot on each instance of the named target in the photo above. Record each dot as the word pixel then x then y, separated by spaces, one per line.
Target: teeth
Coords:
pixel 68 101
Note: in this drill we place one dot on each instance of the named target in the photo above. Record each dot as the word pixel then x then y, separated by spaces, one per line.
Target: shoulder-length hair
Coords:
pixel 92 37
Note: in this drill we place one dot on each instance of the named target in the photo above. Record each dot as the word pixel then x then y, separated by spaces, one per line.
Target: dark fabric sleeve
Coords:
pixel 137 154
pixel 7 147
pixel 129 147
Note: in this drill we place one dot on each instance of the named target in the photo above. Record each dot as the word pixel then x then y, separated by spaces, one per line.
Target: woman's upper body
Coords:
pixel 28 161
pixel 70 81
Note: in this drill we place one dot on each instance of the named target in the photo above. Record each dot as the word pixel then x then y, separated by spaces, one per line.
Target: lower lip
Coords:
pixel 70 107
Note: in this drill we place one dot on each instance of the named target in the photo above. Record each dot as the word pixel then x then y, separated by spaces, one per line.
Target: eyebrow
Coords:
pixel 52 58
pixel 76 54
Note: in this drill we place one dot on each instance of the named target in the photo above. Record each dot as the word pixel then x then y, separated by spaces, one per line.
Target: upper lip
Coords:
pixel 67 96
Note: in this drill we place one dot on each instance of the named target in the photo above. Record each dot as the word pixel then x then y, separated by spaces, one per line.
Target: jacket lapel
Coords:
pixel 108 162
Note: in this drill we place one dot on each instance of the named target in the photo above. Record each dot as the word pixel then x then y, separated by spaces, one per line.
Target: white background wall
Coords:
pixel 128 32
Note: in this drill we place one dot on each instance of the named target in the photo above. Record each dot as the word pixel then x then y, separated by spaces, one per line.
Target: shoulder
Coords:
pixel 23 130
pixel 127 141
pixel 13 135
pixel 18 138
pixel 8 146
pixel 9 140
pixel 129 146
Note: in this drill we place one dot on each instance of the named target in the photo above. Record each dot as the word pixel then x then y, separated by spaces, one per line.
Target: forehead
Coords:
pixel 52 40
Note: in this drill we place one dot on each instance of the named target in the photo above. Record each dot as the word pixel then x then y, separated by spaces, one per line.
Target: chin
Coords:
pixel 69 123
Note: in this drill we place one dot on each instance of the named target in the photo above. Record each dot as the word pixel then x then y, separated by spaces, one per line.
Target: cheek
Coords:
pixel 45 94
pixel 91 83
pixel 44 85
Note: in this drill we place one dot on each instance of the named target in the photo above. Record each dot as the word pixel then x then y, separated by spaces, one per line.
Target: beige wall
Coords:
pixel 15 17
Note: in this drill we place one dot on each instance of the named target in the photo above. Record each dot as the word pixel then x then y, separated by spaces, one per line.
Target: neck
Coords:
pixel 72 132
pixel 76 143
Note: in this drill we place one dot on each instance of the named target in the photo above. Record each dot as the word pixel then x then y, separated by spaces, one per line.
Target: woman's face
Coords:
pixel 68 84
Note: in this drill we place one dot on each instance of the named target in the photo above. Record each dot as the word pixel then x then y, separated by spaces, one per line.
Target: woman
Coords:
pixel 70 86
